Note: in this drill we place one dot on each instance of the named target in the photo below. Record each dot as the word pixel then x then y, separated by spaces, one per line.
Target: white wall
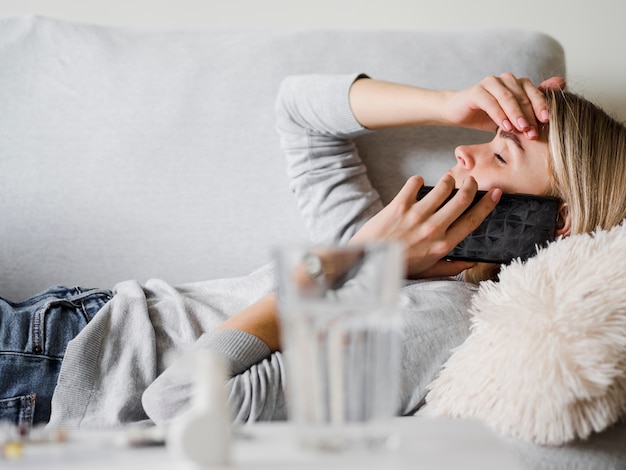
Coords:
pixel 591 31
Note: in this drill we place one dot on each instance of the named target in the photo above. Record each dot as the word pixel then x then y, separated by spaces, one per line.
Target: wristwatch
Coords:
pixel 314 267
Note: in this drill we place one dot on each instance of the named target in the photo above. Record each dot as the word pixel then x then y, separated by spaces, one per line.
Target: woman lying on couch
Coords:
pixel 113 371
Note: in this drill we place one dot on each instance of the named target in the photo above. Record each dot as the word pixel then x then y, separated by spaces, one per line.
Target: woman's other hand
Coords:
pixel 504 101
pixel 428 228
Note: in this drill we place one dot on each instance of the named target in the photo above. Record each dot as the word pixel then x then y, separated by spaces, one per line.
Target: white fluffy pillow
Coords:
pixel 546 358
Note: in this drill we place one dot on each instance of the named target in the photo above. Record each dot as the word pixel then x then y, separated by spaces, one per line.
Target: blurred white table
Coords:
pixel 423 444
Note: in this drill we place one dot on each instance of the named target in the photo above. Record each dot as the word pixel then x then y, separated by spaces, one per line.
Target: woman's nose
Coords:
pixel 465 156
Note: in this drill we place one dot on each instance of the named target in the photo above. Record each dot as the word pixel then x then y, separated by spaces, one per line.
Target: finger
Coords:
pixel 472 219
pixel 518 106
pixel 430 203
pixel 408 194
pixel 457 205
pixel 505 102
pixel 552 83
pixel 485 101
pixel 538 102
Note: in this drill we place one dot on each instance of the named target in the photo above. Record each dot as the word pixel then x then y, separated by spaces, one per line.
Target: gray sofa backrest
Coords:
pixel 130 154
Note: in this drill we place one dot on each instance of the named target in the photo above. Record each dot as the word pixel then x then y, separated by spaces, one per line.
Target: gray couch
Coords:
pixel 129 154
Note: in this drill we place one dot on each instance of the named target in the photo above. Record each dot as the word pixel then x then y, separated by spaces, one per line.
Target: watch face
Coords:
pixel 313 265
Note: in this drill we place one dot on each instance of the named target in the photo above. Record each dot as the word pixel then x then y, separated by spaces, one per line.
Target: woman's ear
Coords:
pixel 563 221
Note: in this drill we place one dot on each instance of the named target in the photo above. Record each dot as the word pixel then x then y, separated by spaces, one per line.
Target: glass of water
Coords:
pixel 341 334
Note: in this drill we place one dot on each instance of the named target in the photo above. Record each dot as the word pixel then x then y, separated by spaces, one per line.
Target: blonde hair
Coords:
pixel 587 161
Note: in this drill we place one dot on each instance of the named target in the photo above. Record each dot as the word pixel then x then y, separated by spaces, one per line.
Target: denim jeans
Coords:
pixel 33 338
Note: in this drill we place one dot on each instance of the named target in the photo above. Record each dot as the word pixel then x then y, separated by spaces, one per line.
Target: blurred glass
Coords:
pixel 341 335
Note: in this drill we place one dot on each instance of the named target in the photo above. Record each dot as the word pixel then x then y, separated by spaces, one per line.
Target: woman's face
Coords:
pixel 511 162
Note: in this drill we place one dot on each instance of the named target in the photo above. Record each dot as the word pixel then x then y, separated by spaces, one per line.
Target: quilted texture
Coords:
pixel 515 229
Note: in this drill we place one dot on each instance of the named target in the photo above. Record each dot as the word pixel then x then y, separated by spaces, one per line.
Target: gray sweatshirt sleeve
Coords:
pixel 316 128
pixel 255 388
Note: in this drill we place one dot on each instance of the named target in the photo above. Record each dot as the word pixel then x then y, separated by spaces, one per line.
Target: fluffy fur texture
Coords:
pixel 546 357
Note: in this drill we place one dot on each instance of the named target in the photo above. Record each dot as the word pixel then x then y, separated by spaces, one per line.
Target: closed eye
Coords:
pixel 499 158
